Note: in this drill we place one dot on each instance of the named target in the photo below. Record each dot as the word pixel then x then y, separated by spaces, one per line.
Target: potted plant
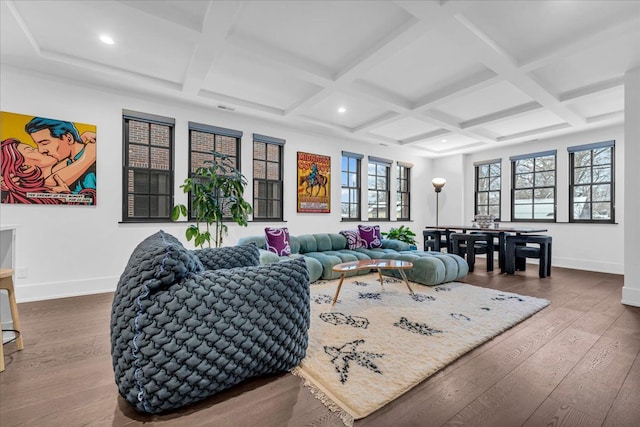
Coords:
pixel 404 234
pixel 216 192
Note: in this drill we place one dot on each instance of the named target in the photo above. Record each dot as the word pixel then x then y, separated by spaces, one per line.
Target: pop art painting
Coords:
pixel 47 161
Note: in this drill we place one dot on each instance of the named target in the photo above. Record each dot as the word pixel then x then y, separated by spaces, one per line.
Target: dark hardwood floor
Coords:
pixel 576 363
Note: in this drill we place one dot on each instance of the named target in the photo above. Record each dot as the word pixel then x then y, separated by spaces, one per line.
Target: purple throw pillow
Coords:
pixel 371 235
pixel 353 239
pixel 278 240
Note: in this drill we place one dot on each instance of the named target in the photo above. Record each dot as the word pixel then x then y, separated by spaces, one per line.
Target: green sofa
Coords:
pixel 322 251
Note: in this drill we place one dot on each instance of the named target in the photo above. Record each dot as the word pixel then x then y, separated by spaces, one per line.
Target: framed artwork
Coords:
pixel 314 183
pixel 47 161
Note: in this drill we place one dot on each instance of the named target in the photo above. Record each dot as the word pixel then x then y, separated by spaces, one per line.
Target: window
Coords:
pixel 350 175
pixel 378 185
pixel 403 201
pixel 267 177
pixel 204 140
pixel 534 187
pixel 147 167
pixel 591 188
pixel 487 186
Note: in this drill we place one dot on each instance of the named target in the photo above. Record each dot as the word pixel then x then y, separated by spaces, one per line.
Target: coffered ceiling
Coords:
pixel 440 77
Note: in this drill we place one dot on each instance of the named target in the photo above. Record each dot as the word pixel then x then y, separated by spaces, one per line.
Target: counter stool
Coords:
pixel 471 245
pixel 436 240
pixel 6 282
pixel 518 251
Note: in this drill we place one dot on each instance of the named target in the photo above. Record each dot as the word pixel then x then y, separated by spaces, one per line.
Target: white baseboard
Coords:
pixel 631 296
pixel 581 264
pixel 74 288
pixel 577 264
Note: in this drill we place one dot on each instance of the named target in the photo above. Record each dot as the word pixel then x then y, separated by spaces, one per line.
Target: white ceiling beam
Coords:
pixel 218 21
pixel 399 38
pixel 480 46
pixel 614 116
pixel 23 26
pixel 534 131
pixel 425 136
pixel 509 113
pixel 285 62
pixel 240 102
pixel 460 88
pixel 591 89
pixel 630 25
pixel 382 120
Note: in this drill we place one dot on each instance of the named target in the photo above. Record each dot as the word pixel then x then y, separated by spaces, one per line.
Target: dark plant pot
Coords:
pixel 413 248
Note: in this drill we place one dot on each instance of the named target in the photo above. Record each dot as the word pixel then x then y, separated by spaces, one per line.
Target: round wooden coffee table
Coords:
pixel 378 264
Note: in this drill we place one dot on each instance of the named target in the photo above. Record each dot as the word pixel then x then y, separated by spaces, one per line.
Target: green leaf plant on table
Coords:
pixel 404 234
pixel 217 195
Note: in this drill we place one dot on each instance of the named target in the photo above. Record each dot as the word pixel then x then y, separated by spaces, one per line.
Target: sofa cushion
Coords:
pixel 353 239
pixel 371 235
pixel 278 240
pixel 323 242
pixel 307 243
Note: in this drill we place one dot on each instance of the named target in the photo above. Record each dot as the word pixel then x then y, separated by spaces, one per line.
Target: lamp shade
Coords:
pixel 438 183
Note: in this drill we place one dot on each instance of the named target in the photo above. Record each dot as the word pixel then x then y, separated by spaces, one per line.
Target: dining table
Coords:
pixel 500 229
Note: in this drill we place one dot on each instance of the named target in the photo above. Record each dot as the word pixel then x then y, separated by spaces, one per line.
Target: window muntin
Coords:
pixel 378 190
pixel 403 202
pixel 488 188
pixel 534 188
pixel 202 144
pixel 267 181
pixel 148 168
pixel 350 194
pixel 591 188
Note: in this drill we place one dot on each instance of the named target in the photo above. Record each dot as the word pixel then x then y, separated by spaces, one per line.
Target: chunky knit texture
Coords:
pixel 184 328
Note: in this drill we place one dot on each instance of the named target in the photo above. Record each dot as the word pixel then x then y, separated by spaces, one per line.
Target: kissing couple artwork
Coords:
pixel 47 161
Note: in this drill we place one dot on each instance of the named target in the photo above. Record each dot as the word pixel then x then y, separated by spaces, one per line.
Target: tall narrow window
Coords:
pixel 147 167
pixel 203 141
pixel 534 187
pixel 487 186
pixel 591 193
pixel 403 201
pixel 379 188
pixel 267 178
pixel 350 197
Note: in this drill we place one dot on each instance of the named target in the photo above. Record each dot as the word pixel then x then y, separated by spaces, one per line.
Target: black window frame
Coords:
pixel 379 162
pixel 267 140
pixel 400 167
pixel 535 187
pixel 572 174
pixel 151 119
pixel 216 132
pixel 345 185
pixel 488 191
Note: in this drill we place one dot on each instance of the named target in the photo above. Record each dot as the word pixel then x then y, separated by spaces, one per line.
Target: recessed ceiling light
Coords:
pixel 342 110
pixel 444 140
pixel 106 39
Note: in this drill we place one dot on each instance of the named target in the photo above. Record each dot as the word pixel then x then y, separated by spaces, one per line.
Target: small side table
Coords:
pixel 6 282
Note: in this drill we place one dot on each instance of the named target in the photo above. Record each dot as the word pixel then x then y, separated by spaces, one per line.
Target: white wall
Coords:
pixel 595 247
pixel 631 289
pixel 71 250
pixel 80 250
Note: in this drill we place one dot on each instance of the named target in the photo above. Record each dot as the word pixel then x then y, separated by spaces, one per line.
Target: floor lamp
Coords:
pixel 438 183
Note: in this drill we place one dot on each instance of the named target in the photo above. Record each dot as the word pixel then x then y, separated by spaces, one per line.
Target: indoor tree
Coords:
pixel 216 192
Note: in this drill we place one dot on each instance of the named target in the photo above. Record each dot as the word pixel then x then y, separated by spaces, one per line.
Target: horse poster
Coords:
pixel 314 183
pixel 47 161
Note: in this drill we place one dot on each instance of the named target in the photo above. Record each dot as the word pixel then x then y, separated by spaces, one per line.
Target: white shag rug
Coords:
pixel 377 342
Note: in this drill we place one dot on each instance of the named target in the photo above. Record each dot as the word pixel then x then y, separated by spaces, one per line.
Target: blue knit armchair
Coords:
pixel 188 324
